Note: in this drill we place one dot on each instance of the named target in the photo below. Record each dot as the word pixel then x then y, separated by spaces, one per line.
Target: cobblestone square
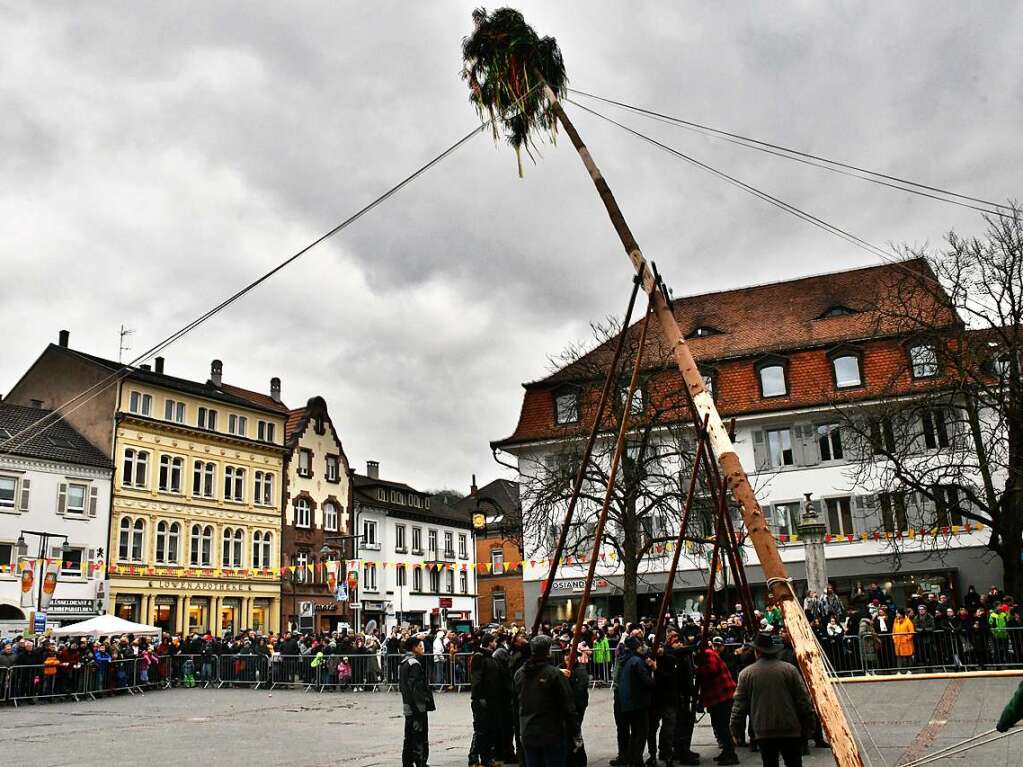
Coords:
pixel 236 728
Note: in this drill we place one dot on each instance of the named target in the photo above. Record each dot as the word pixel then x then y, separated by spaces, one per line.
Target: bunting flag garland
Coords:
pixel 324 569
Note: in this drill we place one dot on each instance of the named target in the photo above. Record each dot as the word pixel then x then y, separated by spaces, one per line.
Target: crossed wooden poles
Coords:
pixel 726 543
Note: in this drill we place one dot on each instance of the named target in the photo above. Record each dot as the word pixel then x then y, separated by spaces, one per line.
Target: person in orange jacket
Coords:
pixel 902 636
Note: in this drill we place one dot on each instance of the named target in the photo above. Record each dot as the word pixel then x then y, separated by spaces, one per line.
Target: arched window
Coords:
pixel 263 488
pixel 923 360
pixel 195 545
pixel 124 540
pixel 301 512
pixel 846 367
pixel 138 534
pixel 772 376
pixel 135 468
pixel 234 483
pixel 329 516
pixel 161 542
pixel 206 557
pixel 232 550
pixel 268 548
pixel 417 579
pixel 257 542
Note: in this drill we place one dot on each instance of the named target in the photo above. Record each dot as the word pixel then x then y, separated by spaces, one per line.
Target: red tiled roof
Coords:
pixel 784 317
pixel 263 400
pixel 294 419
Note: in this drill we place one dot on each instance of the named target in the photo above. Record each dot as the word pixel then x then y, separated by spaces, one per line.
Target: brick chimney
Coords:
pixel 159 364
pixel 373 469
pixel 275 389
pixel 216 373
pixel 63 337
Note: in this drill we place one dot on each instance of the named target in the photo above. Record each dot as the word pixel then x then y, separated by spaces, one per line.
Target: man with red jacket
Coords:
pixel 717 688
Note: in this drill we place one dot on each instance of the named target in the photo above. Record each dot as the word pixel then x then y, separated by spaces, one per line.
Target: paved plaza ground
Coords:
pixel 291 727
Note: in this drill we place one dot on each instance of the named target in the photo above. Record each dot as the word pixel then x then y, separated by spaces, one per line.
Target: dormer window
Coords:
pixel 566 406
pixel 702 331
pixel 846 367
pixel 709 381
pixel 838 310
pixel 923 360
pixel 772 374
pixel 638 403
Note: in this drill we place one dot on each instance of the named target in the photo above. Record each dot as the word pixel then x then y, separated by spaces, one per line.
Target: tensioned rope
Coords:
pixel 775 201
pixel 53 417
pixel 818 161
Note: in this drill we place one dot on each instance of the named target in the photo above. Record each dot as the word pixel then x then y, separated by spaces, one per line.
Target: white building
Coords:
pixel 785 360
pixel 58 484
pixel 417 558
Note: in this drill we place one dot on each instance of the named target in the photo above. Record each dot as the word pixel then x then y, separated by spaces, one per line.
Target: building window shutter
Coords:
pixel 90 570
pixel 761 456
pixel 61 497
pixel 25 487
pixel 867 517
pixel 93 500
pixel 807 452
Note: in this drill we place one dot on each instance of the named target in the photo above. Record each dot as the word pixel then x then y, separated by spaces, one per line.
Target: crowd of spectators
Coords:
pixel 863 633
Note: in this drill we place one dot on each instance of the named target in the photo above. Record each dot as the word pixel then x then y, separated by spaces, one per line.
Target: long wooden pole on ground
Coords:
pixel 807 653
pixel 580 475
pixel 612 473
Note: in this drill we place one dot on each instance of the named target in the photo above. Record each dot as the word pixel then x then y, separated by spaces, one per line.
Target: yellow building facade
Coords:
pixel 195 528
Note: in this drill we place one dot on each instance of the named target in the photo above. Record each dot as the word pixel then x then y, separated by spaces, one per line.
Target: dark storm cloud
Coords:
pixel 157 156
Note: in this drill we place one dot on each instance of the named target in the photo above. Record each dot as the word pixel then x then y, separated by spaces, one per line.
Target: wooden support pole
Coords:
pixel 683 528
pixel 616 458
pixel 825 699
pixel 580 475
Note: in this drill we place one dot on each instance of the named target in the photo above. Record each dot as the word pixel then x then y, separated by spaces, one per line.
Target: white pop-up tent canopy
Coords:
pixel 105 626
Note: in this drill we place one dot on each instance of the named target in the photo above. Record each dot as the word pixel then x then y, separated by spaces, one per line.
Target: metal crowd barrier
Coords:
pixel 242 671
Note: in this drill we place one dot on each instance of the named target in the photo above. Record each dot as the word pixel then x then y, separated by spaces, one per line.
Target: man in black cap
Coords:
pixel 772 693
pixel 417 702
pixel 547 716
pixel 485 695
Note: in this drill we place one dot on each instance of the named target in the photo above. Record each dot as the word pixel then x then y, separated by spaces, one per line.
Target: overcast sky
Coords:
pixel 156 156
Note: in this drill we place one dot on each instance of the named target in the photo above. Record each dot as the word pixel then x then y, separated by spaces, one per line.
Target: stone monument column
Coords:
pixel 812 531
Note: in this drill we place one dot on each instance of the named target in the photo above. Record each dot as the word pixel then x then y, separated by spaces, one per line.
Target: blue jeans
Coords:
pixel 545 756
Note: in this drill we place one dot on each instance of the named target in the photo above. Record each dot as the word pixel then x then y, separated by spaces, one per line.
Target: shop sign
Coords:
pixel 574 585
pixel 446 602
pixel 200 586
pixel 72 606
pixel 39 626
pixel 324 607
pixel 375 605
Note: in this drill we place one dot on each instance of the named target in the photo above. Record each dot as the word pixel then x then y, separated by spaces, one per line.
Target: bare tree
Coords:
pixel 943 443
pixel 649 492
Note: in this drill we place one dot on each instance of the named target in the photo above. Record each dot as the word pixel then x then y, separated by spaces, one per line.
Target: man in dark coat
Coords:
pixel 664 711
pixel 547 717
pixel 486 690
pixel 417 702
pixel 633 695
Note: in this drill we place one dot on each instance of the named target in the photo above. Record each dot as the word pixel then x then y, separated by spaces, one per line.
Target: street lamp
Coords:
pixel 44 541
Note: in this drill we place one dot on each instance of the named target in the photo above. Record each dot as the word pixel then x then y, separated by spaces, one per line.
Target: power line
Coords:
pixel 29 432
pixel 772 200
pixel 825 163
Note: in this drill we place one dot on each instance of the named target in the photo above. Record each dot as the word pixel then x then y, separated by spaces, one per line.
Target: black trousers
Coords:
pixel 662 717
pixel 637 722
pixel 483 749
pixel 685 722
pixel 789 749
pixel 621 731
pixel 720 714
pixel 415 751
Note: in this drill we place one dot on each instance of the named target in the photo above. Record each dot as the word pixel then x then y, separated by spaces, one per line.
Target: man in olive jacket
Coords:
pixel 417 701
pixel 772 693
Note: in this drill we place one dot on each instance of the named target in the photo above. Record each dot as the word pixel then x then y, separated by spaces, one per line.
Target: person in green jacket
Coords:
pixel 1012 712
pixel 997 619
pixel 601 657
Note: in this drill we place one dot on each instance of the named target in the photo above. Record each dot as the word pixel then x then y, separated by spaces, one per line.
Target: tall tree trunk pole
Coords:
pixel 808 654
pixel 612 473
pixel 580 475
